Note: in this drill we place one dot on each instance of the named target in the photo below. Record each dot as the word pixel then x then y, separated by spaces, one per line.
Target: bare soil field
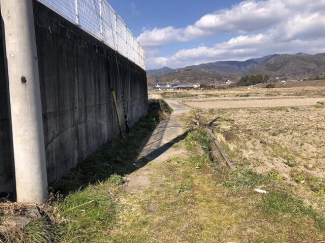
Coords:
pixel 310 89
pixel 287 140
pixel 313 83
pixel 252 103
pixel 277 133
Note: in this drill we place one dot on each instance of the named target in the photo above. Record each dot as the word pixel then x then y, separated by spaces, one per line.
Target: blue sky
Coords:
pixel 180 33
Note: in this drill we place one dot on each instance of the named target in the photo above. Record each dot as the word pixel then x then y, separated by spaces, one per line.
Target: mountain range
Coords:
pixel 297 66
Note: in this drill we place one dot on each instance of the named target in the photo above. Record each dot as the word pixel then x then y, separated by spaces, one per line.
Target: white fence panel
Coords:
pixel 99 19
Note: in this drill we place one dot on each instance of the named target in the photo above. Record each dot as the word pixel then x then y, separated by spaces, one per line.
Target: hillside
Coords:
pixel 191 76
pixel 297 66
pixel 233 67
pixel 229 67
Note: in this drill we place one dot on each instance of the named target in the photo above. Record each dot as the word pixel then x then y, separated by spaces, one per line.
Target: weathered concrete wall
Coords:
pixel 77 73
pixel 6 174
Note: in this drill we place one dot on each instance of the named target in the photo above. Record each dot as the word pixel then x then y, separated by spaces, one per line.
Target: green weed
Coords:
pixel 184 186
pixel 275 175
pixel 116 179
pixel 165 107
pixel 280 202
pixel 241 180
pixel 197 137
pixel 88 214
pixel 317 185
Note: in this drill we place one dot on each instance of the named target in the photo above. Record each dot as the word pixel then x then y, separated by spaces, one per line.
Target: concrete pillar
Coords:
pixel 25 100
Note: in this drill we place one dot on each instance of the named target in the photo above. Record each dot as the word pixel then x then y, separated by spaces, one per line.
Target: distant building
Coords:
pixel 160 87
pixel 229 82
pixel 186 86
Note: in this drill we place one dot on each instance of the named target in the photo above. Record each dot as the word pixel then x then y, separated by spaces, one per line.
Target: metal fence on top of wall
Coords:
pixel 99 19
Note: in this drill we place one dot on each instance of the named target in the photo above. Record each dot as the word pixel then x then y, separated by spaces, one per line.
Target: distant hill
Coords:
pixel 297 66
pixel 232 67
pixel 191 76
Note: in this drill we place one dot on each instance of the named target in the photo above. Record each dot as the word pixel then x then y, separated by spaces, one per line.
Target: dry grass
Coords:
pixel 190 203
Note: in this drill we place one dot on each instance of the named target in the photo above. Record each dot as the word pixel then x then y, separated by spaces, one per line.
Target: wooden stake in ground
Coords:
pixel 117 113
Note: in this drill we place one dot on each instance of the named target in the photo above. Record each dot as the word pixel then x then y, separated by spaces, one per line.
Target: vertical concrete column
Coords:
pixel 25 100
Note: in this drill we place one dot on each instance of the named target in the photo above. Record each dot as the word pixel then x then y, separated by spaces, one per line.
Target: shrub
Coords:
pixel 270 86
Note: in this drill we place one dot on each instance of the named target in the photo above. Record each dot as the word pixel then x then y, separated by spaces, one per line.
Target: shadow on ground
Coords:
pixel 159 151
pixel 120 157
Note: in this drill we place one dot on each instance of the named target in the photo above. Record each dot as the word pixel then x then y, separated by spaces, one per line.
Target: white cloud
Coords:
pixel 285 26
pixel 304 27
pixel 247 16
pixel 239 48
pixel 159 37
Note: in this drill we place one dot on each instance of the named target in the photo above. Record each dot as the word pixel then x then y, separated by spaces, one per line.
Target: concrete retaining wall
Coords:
pixel 77 73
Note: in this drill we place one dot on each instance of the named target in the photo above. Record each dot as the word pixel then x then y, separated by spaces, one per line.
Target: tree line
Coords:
pixel 253 79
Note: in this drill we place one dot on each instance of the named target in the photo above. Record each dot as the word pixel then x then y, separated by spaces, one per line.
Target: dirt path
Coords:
pixel 158 148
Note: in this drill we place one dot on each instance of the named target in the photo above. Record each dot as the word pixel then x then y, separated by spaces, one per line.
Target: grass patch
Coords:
pixel 184 186
pixel 244 95
pixel 88 213
pixel 280 202
pixel 165 107
pixel 116 179
pixel 317 185
pixel 41 231
pixel 195 138
pixel 275 175
pixel 243 179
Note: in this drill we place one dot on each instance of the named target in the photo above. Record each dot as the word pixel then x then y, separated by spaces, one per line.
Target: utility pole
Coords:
pixel 25 100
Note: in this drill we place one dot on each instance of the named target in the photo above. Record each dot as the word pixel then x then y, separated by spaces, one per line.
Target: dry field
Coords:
pixel 308 89
pixel 278 132
pixel 288 142
pixel 254 102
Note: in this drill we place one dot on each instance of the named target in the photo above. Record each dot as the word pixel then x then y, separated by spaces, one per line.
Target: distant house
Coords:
pixel 229 82
pixel 160 87
pixel 187 86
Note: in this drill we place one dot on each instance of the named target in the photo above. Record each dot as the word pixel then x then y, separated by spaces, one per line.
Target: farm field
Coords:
pixel 163 184
pixel 223 103
pixel 275 132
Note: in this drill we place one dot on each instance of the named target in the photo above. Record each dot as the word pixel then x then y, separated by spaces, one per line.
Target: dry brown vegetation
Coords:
pixel 274 132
